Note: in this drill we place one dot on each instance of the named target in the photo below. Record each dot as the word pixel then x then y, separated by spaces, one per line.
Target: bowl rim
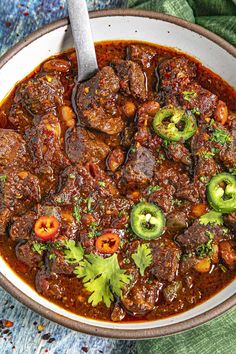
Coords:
pixel 78 325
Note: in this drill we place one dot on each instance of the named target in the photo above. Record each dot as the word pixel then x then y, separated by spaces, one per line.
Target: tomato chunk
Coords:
pixel 47 227
pixel 107 243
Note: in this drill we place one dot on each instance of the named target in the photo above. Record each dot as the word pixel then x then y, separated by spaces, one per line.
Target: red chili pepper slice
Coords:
pixel 46 227
pixel 107 243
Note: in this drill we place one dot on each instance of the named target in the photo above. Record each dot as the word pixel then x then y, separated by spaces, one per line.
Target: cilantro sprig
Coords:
pixel 189 95
pixel 220 136
pixel 102 277
pixel 142 258
pixel 212 217
pixel 74 252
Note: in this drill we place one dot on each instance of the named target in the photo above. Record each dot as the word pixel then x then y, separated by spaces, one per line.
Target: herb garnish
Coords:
pixel 212 217
pixel 152 189
pixel 39 247
pixel 102 184
pixel 93 230
pixel 206 249
pixel 76 213
pixel 74 252
pixel 189 95
pixel 3 178
pixel 102 277
pixel 142 257
pixel 220 136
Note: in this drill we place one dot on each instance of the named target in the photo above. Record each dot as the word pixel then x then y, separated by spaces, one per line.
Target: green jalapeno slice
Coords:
pixel 221 193
pixel 147 220
pixel 174 124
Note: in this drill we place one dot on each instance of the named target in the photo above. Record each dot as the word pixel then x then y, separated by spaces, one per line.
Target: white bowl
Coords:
pixel 212 51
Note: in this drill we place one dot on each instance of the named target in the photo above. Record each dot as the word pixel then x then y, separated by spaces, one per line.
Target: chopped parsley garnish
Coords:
pixel 102 184
pixel 223 268
pixel 93 230
pixel 39 247
pixel 102 277
pixel 152 189
pixel 196 111
pixel 74 252
pixel 220 136
pixel 189 95
pixel 52 256
pixel 76 213
pixel 207 154
pixel 203 179
pixel 142 258
pixel 72 176
pixel 206 249
pixel 3 178
pixel 89 204
pixel 213 217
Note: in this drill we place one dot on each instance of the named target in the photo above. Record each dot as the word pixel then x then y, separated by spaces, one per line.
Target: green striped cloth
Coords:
pixel 218 16
pixel 219 335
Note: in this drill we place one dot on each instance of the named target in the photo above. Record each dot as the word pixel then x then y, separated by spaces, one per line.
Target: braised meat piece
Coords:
pixel 141 54
pixel 22 226
pixel 44 142
pixel 176 73
pixel 97 102
pixel 199 98
pixel 177 220
pixel 179 153
pixel 163 197
pixel 58 263
pixel 40 94
pixel 165 260
pixel 198 234
pixel 49 284
pixel 12 149
pixel 5 216
pixel 132 79
pixel 230 221
pixel 85 146
pixel 227 152
pixel 146 113
pixel 20 191
pixel 26 254
pixel 19 117
pixel 141 298
pixel 139 169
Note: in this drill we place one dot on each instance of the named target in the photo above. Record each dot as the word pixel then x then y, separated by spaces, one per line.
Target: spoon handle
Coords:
pixel 83 40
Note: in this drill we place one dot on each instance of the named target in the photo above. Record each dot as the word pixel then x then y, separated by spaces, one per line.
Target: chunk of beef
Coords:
pixel 22 226
pixel 227 152
pixel 78 182
pixel 163 198
pixel 176 73
pixel 19 117
pixel 40 94
pixel 139 169
pixel 141 298
pixel 85 146
pixel 206 167
pixel 97 102
pixel 118 313
pixel 58 263
pixel 228 253
pixel 179 153
pixel 44 141
pixel 142 54
pixel 165 260
pixel 189 192
pixel 230 221
pixel 132 79
pixel 198 234
pixel 186 263
pixel 25 254
pixel 177 220
pixel 146 113
pixel 169 173
pixel 12 149
pixel 5 216
pixel 49 284
pixel 200 98
pixel 20 191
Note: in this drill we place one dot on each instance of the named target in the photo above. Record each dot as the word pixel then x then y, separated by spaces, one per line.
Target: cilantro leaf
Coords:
pixel 220 136
pixel 152 189
pixel 212 217
pixel 39 247
pixel 102 277
pixel 189 95
pixel 76 213
pixel 93 230
pixel 73 253
pixel 142 258
pixel 3 178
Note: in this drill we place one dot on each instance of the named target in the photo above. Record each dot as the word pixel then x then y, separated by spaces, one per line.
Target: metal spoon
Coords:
pixel 83 40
